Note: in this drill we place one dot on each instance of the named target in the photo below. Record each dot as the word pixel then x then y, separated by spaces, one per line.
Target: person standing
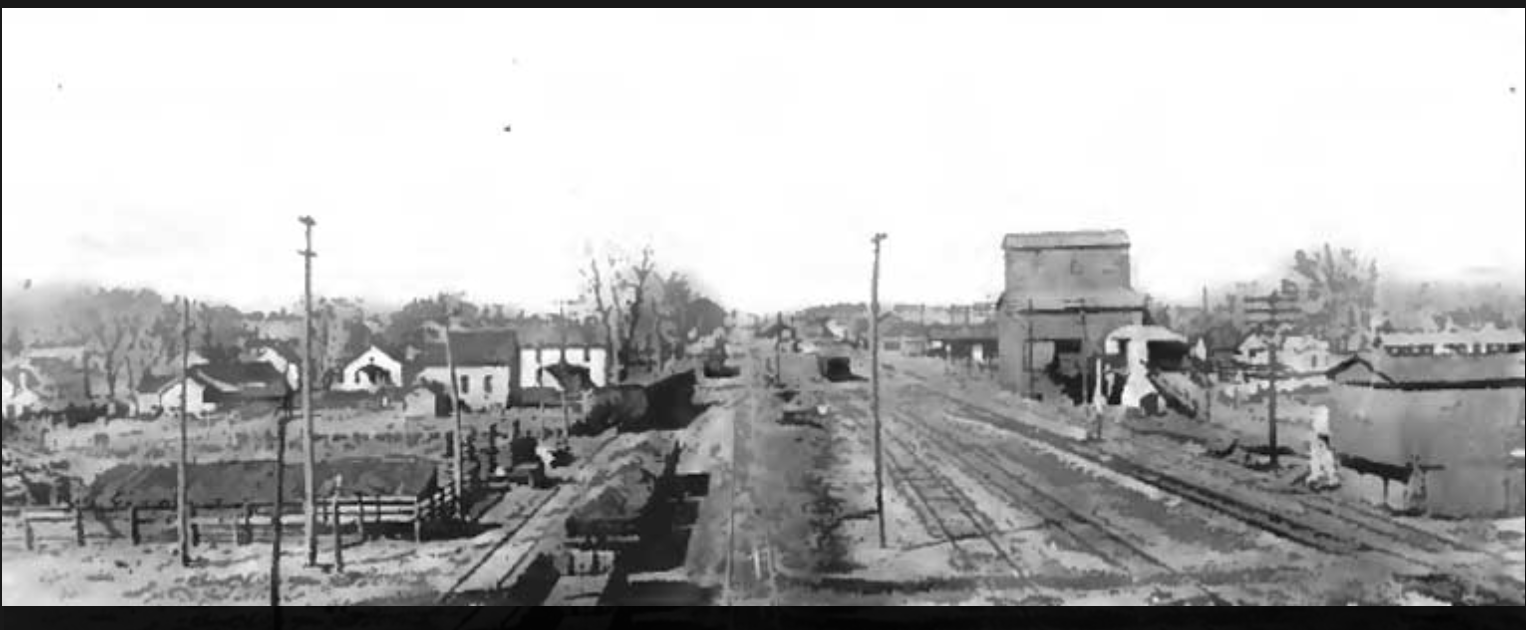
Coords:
pixel 1322 473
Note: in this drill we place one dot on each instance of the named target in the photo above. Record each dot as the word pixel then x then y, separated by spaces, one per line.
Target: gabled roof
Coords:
pixel 473 348
pixel 252 379
pixel 1081 239
pixel 1379 368
pixel 153 383
pixel 287 349
pixel 22 376
pixel 385 352
pixel 549 333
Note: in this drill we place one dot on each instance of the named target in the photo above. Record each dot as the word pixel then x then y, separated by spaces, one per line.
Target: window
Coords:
pixel 487 384
pixel 466 382
pixel 357 377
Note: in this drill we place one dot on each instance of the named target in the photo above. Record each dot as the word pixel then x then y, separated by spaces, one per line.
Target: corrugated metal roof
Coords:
pixel 255 379
pixel 1066 240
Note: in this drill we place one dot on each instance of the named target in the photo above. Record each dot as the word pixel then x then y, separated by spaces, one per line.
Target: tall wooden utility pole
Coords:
pixel 561 309
pixel 1086 368
pixel 779 349
pixel 275 516
pixel 1273 320
pixel 457 478
pixel 874 371
pixel 182 507
pixel 309 485
pixel 1032 369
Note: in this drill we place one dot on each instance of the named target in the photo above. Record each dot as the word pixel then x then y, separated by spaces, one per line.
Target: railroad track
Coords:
pixel 964 521
pixel 1082 528
pixel 951 511
pixel 1357 515
pixel 535 509
pixel 1395 540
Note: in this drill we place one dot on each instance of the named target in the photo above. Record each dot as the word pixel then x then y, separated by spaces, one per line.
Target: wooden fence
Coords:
pixel 367 516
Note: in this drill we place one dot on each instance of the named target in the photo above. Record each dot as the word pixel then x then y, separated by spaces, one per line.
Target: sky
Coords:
pixel 756 150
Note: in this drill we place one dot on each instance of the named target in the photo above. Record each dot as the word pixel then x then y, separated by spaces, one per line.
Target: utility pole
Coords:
pixel 874 371
pixel 779 349
pixel 275 515
pixel 561 307
pixel 1032 369
pixel 1080 304
pixel 309 485
pixel 1273 314
pixel 455 407
pixel 182 509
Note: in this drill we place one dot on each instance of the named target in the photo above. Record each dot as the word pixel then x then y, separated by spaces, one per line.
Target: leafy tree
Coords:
pixel 1340 293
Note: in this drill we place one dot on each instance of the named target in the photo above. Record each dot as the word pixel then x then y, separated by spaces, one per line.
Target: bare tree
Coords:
pixel 635 281
pixel 607 313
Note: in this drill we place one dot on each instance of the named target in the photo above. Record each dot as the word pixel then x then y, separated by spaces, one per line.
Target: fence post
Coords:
pixel 492 447
pixel 360 515
pixel 31 542
pixel 132 525
pixel 338 535
pixel 247 530
pixel 418 523
pixel 79 525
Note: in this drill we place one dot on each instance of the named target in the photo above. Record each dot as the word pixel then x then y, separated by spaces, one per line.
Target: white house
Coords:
pixel 211 386
pixel 195 400
pixel 20 393
pixel 533 361
pixel 486 361
pixel 369 372
pixel 1300 354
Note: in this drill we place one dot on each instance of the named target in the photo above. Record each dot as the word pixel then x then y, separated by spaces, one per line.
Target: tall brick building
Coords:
pixel 1065 291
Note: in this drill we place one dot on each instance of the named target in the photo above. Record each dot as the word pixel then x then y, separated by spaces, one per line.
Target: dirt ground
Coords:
pixel 1031 523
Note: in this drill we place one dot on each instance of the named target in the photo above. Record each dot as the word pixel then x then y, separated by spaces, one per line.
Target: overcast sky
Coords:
pixel 757 149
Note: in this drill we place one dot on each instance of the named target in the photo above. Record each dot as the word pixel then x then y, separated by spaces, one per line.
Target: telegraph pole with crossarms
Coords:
pixel 1275 312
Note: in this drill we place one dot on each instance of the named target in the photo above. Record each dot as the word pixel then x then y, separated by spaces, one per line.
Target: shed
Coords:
pixel 1458 417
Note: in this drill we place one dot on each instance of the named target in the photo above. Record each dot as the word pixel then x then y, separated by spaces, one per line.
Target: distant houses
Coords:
pixel 1452 341
pixel 1297 354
